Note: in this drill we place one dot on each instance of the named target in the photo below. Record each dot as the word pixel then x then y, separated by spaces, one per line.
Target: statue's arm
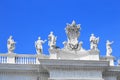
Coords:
pixel 35 43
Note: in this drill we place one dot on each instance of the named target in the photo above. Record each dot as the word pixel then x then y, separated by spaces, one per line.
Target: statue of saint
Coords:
pixel 108 48
pixel 119 62
pixel 10 45
pixel 94 42
pixel 52 40
pixel 38 45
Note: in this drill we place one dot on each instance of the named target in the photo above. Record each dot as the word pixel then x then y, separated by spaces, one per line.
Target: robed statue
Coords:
pixel 108 48
pixel 52 40
pixel 38 45
pixel 10 45
pixel 94 42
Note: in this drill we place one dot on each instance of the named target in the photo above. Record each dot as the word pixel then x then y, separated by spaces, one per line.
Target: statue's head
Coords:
pixel 39 38
pixel 51 32
pixel 10 37
pixel 92 34
pixel 107 41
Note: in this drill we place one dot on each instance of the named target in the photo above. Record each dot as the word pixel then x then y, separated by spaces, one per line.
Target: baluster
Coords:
pixel 0 59
pixel 31 60
pixel 5 59
pixel 21 59
pixel 18 60
pixel 27 60
pixel 24 60
pixel 34 60
pixel 15 60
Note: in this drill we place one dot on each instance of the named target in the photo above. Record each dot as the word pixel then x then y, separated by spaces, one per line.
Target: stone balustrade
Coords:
pixel 18 58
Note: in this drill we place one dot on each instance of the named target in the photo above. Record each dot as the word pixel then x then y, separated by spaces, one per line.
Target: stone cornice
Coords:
pixel 21 68
pixel 114 68
pixel 73 64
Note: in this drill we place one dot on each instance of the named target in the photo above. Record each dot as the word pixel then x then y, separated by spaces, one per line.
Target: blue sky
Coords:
pixel 26 20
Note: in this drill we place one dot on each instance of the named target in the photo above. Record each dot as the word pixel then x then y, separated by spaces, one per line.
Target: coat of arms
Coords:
pixel 73 33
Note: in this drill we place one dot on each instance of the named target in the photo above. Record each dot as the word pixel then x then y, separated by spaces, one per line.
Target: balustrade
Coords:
pixel 18 58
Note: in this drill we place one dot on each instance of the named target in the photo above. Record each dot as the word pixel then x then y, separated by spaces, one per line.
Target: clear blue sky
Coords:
pixel 26 20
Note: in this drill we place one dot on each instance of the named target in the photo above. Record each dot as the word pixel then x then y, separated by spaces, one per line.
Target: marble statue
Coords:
pixel 52 40
pixel 38 45
pixel 80 45
pixel 108 48
pixel 119 62
pixel 94 42
pixel 73 33
pixel 11 45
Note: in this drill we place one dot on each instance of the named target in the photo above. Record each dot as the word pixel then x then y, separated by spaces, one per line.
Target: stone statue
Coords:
pixel 11 45
pixel 118 62
pixel 80 45
pixel 94 42
pixel 108 48
pixel 52 40
pixel 73 33
pixel 38 45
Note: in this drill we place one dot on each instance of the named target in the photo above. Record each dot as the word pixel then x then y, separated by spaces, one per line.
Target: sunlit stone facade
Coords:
pixel 72 62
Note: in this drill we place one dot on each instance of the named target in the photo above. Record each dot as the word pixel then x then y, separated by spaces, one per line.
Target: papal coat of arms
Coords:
pixel 73 33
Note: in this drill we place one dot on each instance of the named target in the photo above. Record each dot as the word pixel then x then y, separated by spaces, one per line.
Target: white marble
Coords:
pixel 108 48
pixel 52 40
pixel 72 62
pixel 38 45
pixel 11 45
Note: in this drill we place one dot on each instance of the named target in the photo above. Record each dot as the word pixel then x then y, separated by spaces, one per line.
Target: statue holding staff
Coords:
pixel 94 42
pixel 38 45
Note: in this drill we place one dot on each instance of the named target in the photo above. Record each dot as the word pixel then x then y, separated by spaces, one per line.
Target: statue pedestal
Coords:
pixel 74 55
pixel 11 58
pixel 94 55
pixel 53 53
pixel 41 56
pixel 110 59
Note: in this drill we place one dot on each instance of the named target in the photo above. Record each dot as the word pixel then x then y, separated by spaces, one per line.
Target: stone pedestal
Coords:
pixel 53 53
pixel 94 55
pixel 41 56
pixel 110 59
pixel 11 58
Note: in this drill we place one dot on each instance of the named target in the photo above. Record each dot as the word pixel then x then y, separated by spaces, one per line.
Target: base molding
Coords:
pixel 75 79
